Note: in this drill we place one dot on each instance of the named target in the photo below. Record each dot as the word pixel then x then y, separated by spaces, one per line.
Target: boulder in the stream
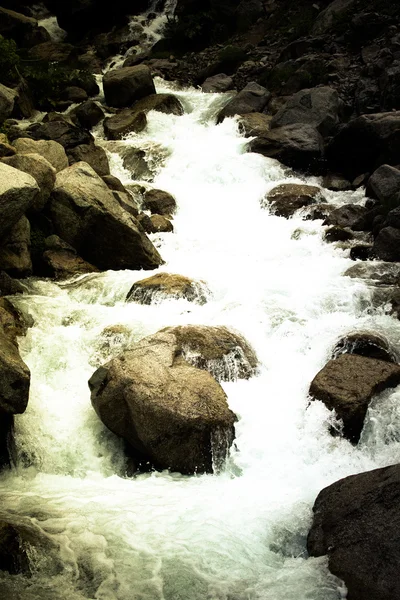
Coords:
pixel 23 29
pixel 287 198
pixel 217 83
pixel 159 202
pixel 387 244
pixel 345 216
pixel 41 170
pixel 126 121
pixel 297 146
pixel 15 257
pixel 252 98
pixel 318 107
pixel 356 524
pixel 376 272
pixel 167 285
pixel 86 215
pixel 160 224
pixel 58 130
pixel 172 414
pixel 384 185
pixel 7 100
pixel 87 115
pixel 365 343
pixel 123 87
pixel 93 155
pixel 348 383
pixel 15 378
pixel 52 151
pixel 62 261
pixel 255 124
pixel 18 192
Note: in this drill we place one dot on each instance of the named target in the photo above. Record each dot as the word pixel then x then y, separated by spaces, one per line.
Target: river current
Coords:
pixel 241 534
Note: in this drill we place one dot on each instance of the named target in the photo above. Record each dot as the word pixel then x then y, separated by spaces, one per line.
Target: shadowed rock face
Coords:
pixel 348 384
pixel 159 396
pixel 357 524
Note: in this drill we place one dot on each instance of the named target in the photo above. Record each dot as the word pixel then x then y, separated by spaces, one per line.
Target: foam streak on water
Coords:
pixel 238 535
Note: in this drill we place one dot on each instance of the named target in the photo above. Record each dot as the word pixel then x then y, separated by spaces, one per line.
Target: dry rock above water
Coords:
pixel 123 87
pixel 52 151
pixel 347 385
pixel 18 192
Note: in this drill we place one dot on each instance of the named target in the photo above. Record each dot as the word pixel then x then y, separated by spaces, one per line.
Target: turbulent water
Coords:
pixel 241 534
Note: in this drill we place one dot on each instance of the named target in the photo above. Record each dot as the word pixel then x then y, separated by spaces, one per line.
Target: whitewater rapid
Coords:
pixel 241 534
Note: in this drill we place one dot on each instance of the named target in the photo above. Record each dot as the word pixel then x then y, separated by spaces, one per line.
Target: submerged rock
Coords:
pixel 164 285
pixel 356 523
pixel 378 272
pixel 347 385
pixel 86 215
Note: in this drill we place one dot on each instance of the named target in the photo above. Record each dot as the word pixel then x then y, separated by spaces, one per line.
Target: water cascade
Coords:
pixel 240 534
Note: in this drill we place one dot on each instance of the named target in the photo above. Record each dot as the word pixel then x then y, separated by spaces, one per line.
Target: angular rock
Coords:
pixel 384 185
pixel 15 257
pixel 365 343
pixel 87 115
pixel 347 385
pixel 86 215
pixel 159 202
pixel 41 170
pixel 95 156
pixel 128 203
pixel 62 261
pixel 336 183
pixel 338 234
pixel 345 216
pixel 17 194
pixel 167 285
pixel 9 286
pixel 318 107
pixel 287 198
pixel 297 146
pixel 24 30
pixel 58 52
pixel 353 518
pixel 52 151
pixel 172 414
pixel 123 87
pixel 7 101
pixel 5 147
pixel 252 98
pixel 255 124
pixel 60 131
pixel 217 84
pixel 126 121
pixel 387 245
pixel 380 273
pixel 15 378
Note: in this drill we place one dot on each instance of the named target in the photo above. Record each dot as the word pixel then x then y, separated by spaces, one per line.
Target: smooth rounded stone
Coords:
pixel 5 147
pixel 62 261
pixel 254 124
pixel 356 524
pixel 113 183
pixel 336 183
pixel 387 245
pixel 297 146
pixel 86 215
pixel 15 378
pixel 217 84
pixel 66 134
pixel 52 151
pixel 222 352
pixel 18 191
pixel 8 97
pixel 167 285
pixel 73 93
pixel 123 123
pixel 123 87
pixel 287 198
pixel 338 234
pixel 172 414
pixel 345 216
pixel 93 155
pixel 384 185
pixel 41 170
pixel 87 115
pixel 10 286
pixel 365 343
pixel 347 385
pixel 161 224
pixel 159 202
pixel 252 98
pixel 365 143
pixel 15 256
pixel 379 273
pixel 318 107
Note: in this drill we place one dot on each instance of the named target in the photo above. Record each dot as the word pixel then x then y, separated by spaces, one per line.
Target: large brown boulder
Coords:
pixel 172 414
pixel 52 151
pixel 15 257
pixel 287 198
pixel 347 385
pixel 159 202
pixel 18 191
pixel 86 215
pixel 356 524
pixel 167 285
pixel 93 155
pixel 24 30
pixel 123 87
pixel 41 170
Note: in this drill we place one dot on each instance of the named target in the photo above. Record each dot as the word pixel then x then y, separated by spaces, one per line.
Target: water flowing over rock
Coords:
pixel 123 87
pixel 365 343
pixel 348 383
pixel 167 285
pixel 86 215
pixel 356 523
pixel 167 410
pixel 18 192
pixel 287 198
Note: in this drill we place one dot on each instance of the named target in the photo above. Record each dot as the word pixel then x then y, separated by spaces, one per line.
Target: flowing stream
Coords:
pixel 241 534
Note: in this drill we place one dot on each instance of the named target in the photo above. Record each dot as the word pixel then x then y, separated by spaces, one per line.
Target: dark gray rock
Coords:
pixel 384 185
pixel 123 87
pixel 87 115
pixel 95 156
pixel 252 98
pixel 387 244
pixel 217 83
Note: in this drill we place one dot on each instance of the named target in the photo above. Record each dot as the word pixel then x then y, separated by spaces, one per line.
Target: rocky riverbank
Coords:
pixel 315 86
